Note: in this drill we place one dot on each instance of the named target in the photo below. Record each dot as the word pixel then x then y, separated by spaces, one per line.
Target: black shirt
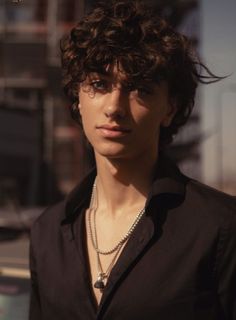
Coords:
pixel 180 262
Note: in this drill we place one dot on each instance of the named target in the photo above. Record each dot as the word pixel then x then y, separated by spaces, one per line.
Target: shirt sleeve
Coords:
pixel 226 269
pixel 35 307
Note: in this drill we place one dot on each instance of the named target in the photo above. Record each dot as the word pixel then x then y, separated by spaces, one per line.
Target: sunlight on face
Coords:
pixel 121 118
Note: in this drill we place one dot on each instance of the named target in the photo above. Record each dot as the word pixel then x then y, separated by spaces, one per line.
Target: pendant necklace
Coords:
pixel 92 232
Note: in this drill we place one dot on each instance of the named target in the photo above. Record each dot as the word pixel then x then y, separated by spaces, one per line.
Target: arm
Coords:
pixel 226 269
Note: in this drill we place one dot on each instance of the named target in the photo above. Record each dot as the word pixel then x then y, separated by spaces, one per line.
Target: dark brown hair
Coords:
pixel 146 46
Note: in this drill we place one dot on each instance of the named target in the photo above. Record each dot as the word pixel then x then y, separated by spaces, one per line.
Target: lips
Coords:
pixel 113 131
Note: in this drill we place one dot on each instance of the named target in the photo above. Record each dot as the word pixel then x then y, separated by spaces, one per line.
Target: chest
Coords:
pixel 154 276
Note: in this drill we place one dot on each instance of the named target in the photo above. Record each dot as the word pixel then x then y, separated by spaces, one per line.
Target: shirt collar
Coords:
pixel 168 185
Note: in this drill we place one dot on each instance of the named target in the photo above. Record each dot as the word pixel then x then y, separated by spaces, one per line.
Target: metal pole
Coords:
pixel 52 30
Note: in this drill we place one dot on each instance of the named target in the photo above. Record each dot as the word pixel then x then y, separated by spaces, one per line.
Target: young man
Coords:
pixel 136 239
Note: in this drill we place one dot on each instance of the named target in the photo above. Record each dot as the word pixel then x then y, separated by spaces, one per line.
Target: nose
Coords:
pixel 117 103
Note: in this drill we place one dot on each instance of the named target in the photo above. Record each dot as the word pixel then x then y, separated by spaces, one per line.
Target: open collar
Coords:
pixel 168 185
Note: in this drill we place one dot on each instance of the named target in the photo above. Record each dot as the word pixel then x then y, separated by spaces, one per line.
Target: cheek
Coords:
pixel 148 119
pixel 84 107
pixel 87 121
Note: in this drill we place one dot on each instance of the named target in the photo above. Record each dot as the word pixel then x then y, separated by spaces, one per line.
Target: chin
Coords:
pixel 112 151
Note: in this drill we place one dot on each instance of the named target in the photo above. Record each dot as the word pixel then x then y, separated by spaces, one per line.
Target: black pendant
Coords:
pixel 99 284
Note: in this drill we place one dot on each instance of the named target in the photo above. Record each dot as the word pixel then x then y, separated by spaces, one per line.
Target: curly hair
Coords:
pixel 131 35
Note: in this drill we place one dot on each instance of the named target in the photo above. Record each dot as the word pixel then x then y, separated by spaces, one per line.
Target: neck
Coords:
pixel 123 184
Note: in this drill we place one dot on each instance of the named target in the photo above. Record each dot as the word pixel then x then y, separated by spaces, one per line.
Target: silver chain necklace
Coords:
pixel 102 276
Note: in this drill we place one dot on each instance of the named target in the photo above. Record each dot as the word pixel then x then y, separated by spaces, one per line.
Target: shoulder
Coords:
pixel 203 195
pixel 48 222
pixel 209 208
pixel 52 214
pixel 53 221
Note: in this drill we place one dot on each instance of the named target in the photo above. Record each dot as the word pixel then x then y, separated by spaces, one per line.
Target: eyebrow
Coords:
pixel 100 73
pixel 109 75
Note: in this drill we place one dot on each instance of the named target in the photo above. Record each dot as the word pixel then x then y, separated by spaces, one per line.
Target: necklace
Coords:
pixel 102 276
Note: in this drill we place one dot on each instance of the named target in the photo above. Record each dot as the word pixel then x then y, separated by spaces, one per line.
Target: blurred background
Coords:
pixel 41 152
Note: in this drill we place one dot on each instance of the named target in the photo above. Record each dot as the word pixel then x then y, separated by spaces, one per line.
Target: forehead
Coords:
pixel 116 73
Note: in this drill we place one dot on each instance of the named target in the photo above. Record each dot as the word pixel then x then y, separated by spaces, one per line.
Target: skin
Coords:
pixel 122 122
pixel 106 100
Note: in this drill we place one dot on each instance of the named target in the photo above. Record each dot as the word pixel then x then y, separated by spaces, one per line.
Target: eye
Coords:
pixel 138 90
pixel 143 91
pixel 99 85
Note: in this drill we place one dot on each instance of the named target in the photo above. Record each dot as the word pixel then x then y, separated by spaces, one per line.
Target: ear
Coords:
pixel 166 122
